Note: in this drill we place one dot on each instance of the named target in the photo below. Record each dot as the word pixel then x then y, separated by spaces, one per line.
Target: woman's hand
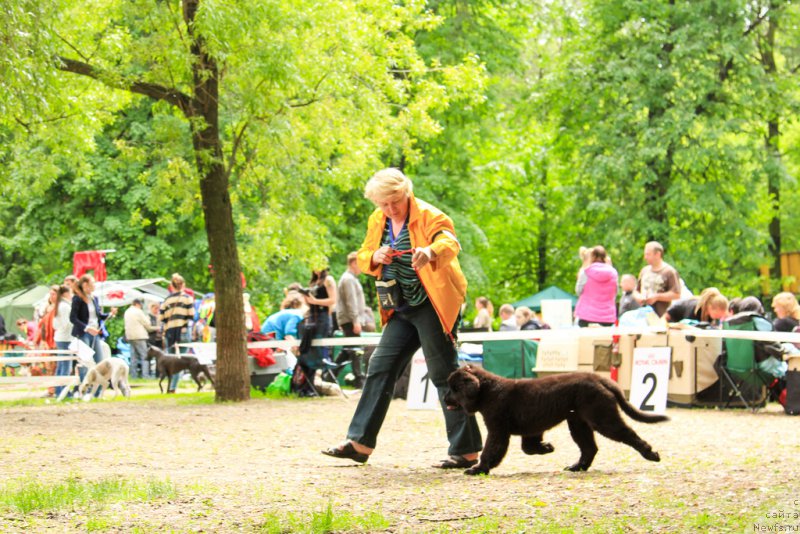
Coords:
pixel 381 256
pixel 422 256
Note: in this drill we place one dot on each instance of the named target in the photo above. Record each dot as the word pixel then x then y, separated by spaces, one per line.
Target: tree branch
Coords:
pixel 155 91
pixel 312 100
pixel 756 23
pixel 237 139
pixel 69 44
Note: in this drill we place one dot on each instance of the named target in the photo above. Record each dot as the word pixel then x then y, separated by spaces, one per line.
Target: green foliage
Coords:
pixel 324 521
pixel 538 127
pixel 30 495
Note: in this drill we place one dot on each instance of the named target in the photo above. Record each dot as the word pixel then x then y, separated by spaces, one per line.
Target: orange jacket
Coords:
pixel 442 278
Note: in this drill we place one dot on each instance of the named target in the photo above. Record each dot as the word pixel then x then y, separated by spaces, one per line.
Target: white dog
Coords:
pixel 111 370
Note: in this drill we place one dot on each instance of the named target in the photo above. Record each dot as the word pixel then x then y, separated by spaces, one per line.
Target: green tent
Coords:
pixel 19 304
pixel 534 302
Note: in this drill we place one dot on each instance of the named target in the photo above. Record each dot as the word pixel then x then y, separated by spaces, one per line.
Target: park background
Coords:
pixel 537 126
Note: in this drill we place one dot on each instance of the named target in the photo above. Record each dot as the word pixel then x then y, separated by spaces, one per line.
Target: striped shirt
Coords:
pixel 177 310
pixel 400 269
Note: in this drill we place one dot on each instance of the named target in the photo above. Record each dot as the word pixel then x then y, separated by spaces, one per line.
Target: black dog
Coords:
pixel 529 407
pixel 166 366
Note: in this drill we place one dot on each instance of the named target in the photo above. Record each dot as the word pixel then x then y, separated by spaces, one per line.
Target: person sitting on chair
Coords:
pixel 527 320
pixel 787 312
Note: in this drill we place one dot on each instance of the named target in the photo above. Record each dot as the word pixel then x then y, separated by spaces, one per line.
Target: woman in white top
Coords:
pixel 62 331
pixel 483 320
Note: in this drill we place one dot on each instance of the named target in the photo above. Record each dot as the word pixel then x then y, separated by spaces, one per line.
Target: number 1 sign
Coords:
pixel 422 394
pixel 649 378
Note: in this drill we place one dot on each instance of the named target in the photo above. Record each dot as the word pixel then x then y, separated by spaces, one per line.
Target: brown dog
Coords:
pixel 529 407
pixel 167 365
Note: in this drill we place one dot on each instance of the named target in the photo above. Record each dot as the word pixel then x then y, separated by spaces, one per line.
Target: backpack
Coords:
pixel 302 382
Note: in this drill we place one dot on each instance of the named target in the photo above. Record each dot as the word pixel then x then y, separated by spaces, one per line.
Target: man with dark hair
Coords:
pixel 659 283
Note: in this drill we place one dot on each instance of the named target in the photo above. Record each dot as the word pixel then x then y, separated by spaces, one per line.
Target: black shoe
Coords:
pixel 455 462
pixel 347 451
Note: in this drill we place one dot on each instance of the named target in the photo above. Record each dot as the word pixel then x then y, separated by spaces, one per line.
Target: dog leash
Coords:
pixel 395 253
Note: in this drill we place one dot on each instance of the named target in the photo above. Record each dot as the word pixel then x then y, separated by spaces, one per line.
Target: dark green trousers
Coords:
pixel 406 332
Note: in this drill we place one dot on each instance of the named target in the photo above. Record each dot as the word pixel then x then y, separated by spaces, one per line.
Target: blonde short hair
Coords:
pixel 655 246
pixel 710 299
pixel 177 281
pixel 523 315
pixel 387 183
pixel 788 302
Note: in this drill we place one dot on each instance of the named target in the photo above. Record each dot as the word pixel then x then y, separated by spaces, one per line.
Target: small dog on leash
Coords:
pixel 167 365
pixel 110 371
pixel 528 407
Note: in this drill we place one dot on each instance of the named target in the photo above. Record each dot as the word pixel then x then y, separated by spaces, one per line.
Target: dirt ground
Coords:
pixel 256 466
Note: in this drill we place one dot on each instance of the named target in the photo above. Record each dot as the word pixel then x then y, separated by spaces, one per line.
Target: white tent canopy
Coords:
pixel 123 292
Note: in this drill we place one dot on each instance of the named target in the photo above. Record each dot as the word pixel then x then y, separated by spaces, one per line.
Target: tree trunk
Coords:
pixel 541 204
pixel 232 382
pixel 773 166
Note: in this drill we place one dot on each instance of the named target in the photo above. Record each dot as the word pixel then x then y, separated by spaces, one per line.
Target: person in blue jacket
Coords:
pixel 284 323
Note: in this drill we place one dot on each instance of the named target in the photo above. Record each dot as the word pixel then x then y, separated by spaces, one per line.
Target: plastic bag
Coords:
pixel 282 385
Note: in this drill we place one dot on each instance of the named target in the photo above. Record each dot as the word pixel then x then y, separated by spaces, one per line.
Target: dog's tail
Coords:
pixel 628 408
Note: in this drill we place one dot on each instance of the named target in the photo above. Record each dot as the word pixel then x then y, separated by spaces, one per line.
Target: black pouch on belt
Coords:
pixel 389 294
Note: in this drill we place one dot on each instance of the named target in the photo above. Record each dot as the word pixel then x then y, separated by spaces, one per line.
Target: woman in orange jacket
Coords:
pixel 411 248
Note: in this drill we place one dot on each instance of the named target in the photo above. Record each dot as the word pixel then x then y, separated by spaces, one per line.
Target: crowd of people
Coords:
pixel 72 312
pixel 605 297
pixel 411 250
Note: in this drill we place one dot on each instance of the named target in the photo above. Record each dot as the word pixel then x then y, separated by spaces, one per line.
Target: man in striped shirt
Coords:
pixel 176 312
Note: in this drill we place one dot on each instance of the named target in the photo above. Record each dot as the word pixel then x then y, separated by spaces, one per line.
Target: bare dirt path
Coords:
pixel 256 466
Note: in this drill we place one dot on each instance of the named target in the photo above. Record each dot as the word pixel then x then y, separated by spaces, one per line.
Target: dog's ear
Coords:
pixel 471 386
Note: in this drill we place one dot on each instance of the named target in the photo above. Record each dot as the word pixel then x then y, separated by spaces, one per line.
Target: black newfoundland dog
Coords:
pixel 529 407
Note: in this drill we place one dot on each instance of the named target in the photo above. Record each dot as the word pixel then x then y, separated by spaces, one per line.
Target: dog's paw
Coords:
pixel 577 467
pixel 539 448
pixel 476 470
pixel 652 456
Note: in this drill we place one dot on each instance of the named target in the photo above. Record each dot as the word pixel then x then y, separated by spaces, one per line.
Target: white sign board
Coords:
pixel 650 378
pixel 85 353
pixel 422 394
pixel 206 353
pixel 557 355
pixel 557 312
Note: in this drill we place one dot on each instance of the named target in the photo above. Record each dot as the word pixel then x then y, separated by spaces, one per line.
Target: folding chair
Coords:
pixel 739 369
pixel 511 358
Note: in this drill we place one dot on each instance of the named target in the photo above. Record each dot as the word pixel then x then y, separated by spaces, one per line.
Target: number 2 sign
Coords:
pixel 649 378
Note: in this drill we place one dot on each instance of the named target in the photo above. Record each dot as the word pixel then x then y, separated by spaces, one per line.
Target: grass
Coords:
pixel 29 495
pixel 184 397
pixel 324 521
